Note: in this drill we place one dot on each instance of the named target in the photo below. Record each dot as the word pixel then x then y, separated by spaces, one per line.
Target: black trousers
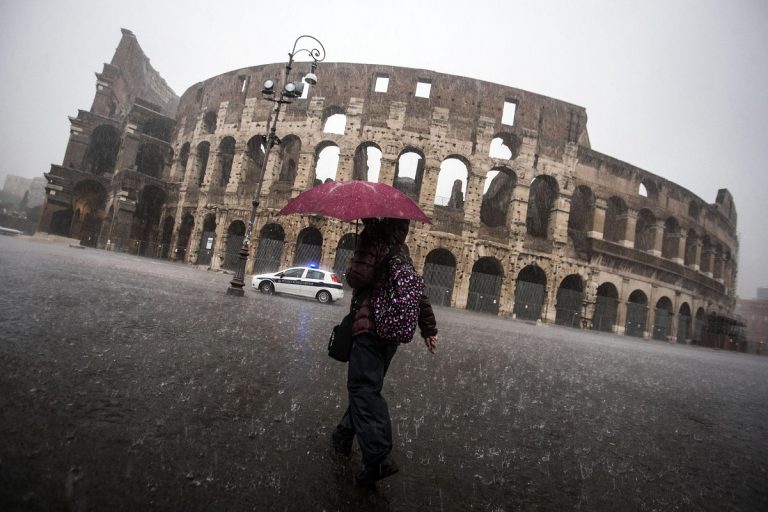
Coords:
pixel 367 415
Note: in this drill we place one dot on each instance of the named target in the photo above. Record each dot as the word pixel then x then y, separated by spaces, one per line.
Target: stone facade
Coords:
pixel 528 221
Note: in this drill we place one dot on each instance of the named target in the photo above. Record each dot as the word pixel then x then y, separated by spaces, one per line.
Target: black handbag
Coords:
pixel 340 343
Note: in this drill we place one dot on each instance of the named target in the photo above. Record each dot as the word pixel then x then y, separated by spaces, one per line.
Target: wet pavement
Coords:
pixel 134 384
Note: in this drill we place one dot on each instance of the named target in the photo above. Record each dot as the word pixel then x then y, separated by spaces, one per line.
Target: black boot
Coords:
pixel 341 444
pixel 377 471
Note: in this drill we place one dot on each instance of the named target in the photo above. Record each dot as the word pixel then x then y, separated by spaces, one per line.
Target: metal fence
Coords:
pixel 232 252
pixel 138 248
pixel 268 255
pixel 637 314
pixel 341 261
pixel 604 318
pixel 569 307
pixel 529 300
pixel 438 281
pixel 307 254
pixel 682 328
pixel 662 320
pixel 484 292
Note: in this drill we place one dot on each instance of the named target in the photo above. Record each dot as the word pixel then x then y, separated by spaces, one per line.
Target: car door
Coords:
pixel 313 281
pixel 290 281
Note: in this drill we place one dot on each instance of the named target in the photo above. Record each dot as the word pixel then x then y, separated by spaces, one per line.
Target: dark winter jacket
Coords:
pixel 367 273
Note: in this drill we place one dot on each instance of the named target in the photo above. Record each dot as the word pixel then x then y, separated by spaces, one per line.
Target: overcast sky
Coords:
pixel 678 88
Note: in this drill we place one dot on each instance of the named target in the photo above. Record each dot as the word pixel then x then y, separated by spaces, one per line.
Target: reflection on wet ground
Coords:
pixel 134 384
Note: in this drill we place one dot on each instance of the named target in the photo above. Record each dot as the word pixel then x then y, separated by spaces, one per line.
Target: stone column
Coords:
pixel 598 220
pixel 387 170
pixel 518 211
pixel 679 258
pixel 696 255
pixel 558 220
pixel 629 233
pixel 346 167
pixel 658 238
pixel 707 260
pixel 429 186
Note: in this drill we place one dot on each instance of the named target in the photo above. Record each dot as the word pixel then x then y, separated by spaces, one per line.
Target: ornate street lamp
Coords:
pixel 289 92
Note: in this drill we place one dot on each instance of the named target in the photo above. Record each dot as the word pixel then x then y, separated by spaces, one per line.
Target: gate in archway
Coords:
pixel 529 300
pixel 438 281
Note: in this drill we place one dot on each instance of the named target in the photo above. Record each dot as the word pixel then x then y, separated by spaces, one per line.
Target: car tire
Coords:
pixel 323 296
pixel 267 287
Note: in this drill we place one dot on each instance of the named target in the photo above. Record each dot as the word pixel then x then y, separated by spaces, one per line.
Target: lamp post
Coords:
pixel 289 92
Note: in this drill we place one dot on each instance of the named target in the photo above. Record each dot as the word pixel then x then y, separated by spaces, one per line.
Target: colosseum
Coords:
pixel 528 221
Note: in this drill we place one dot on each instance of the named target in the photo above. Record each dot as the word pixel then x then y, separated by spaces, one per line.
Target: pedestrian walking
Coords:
pixel 367 415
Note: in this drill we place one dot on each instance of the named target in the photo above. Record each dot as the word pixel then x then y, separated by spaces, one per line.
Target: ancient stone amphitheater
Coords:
pixel 528 221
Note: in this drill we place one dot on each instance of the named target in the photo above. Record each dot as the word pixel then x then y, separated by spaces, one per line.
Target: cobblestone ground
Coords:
pixel 134 384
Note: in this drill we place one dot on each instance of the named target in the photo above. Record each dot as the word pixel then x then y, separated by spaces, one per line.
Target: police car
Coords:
pixel 313 282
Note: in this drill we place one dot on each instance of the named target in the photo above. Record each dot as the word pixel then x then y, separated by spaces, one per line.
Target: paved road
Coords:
pixel 134 384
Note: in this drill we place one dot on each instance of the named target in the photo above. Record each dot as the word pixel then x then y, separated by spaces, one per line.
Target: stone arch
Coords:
pixel 706 254
pixel 606 307
pixel 203 151
pixel 146 220
pixel 290 154
pixel 694 210
pixel 499 187
pixel 89 202
pixel 409 172
pixel 326 162
pixel 150 159
pixel 684 323
pixel 662 319
pixel 637 314
pixel 582 211
pixel 235 236
pixel 367 162
pixel 157 128
pixel 101 156
pixel 504 146
pixel 309 247
pixel 541 204
pixel 691 241
pixel 671 244
pixel 644 230
pixel 530 293
pixel 570 301
pixel 226 159
pixel 485 285
pixel 717 269
pixel 439 276
pixel 269 251
pixel 185 232
pixel 615 220
pixel 698 325
pixel 207 240
pixel 210 120
pixel 452 182
pixel 184 157
pixel 648 188
pixel 166 236
pixel 253 163
pixel 344 251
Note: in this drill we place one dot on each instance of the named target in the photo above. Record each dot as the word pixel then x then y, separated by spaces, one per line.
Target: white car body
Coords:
pixel 316 283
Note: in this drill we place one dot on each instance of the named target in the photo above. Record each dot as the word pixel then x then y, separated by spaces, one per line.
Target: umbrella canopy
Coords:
pixel 351 200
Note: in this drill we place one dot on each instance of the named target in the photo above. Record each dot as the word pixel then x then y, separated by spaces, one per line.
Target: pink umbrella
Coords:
pixel 351 200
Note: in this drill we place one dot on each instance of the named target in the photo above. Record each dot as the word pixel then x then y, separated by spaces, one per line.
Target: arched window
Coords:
pixel 452 183
pixel 226 158
pixel 691 241
pixel 541 203
pixel 670 247
pixel 150 160
pixel 582 210
pixel 103 147
pixel 644 230
pixel 504 146
pixel 367 162
pixel 209 121
pixel 334 120
pixel 497 196
pixel 290 152
pixel 254 161
pixel 184 157
pixel 409 173
pixel 327 161
pixel 203 150
pixel 615 220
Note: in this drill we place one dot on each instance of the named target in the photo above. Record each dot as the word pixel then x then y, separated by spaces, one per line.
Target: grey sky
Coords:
pixel 678 88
